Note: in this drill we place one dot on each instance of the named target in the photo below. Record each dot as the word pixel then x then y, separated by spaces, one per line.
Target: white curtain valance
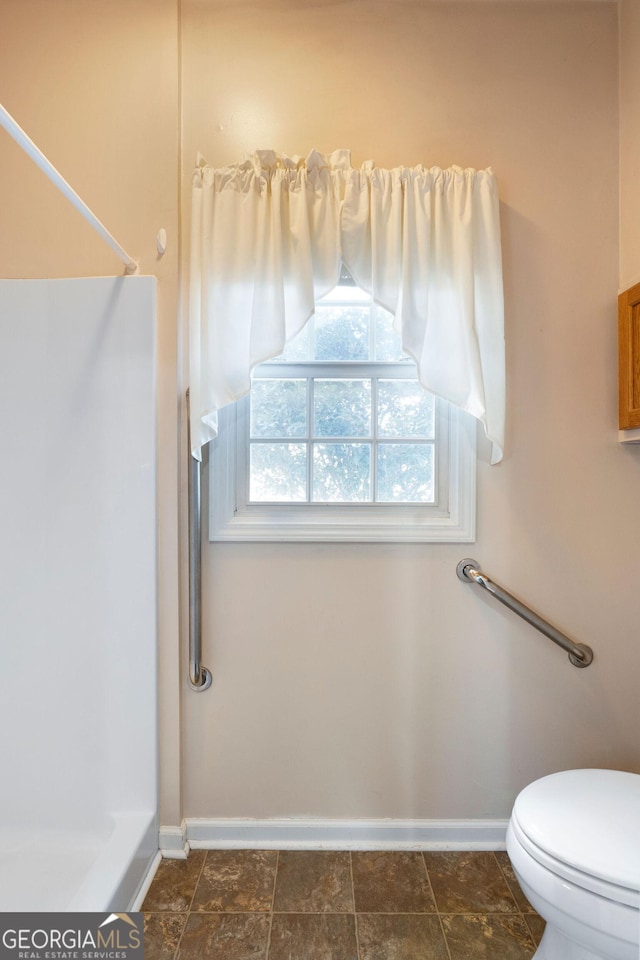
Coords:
pixel 267 239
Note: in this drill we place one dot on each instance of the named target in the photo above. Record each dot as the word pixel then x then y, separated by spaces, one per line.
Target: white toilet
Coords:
pixel 574 842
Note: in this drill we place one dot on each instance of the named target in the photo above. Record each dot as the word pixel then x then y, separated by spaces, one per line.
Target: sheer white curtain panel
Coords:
pixel 267 240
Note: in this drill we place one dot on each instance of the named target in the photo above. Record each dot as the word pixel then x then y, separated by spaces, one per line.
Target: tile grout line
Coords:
pixel 520 911
pixel 341 913
pixel 179 943
pixel 188 910
pixel 504 877
pixel 353 901
pixel 435 903
pixel 195 889
pixel 273 903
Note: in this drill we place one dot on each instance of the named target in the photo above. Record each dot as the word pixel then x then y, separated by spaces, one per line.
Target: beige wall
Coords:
pixel 367 681
pixel 355 681
pixel 629 143
pixel 95 85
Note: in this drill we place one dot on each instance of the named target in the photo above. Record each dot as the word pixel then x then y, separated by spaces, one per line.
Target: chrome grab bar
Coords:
pixel 199 677
pixel 580 654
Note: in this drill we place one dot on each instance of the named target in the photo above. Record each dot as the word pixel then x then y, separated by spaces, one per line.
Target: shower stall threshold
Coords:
pixel 56 870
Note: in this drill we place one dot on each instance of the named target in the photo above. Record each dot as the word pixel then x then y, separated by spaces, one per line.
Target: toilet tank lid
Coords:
pixel 589 819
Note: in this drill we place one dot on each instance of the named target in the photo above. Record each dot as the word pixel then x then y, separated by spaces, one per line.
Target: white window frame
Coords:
pixel 450 519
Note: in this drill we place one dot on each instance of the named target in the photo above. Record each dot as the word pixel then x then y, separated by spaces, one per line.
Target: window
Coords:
pixel 338 441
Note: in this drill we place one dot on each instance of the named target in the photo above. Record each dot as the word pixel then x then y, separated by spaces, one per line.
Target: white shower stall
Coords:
pixel 78 716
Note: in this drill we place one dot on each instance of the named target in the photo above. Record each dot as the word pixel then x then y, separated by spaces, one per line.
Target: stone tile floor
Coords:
pixel 324 905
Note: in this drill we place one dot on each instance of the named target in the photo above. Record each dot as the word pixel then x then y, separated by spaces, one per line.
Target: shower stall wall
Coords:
pixel 78 750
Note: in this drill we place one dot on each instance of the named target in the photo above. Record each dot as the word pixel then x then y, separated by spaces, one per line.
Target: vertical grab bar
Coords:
pixel 199 677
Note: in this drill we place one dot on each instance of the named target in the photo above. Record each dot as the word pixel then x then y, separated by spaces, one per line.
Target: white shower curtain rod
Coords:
pixel 29 147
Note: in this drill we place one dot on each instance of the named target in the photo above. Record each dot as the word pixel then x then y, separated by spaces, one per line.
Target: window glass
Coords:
pixel 278 408
pixel 338 441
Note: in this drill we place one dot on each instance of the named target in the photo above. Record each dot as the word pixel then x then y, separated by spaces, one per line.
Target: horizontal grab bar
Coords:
pixel 580 654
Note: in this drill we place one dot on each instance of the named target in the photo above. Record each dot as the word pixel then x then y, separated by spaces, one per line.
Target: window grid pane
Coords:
pixel 405 473
pixel 342 408
pixel 278 408
pixel 278 473
pixel 342 473
pixel 288 472
pixel 404 409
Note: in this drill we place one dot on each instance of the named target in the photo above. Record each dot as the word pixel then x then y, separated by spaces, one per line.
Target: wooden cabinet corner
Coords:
pixel 629 357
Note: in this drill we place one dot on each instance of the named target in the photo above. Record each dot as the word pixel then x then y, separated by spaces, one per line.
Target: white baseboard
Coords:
pixel 237 834
pixel 173 842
